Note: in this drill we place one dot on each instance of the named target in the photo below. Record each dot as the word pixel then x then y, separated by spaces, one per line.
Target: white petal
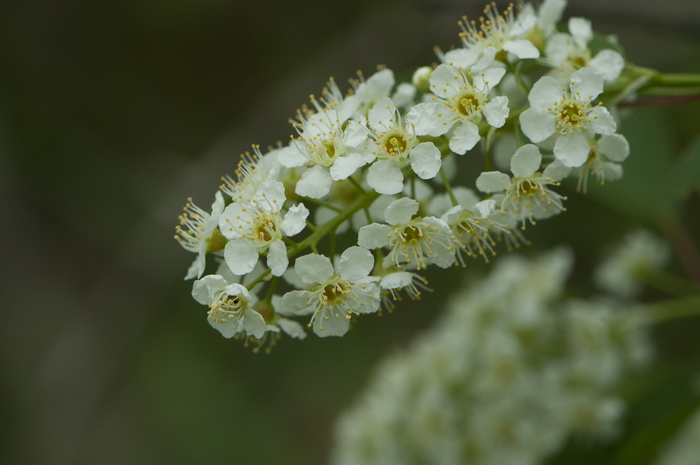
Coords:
pixel 430 119
pixel 545 93
pixel 525 21
pixel 496 111
pixel 270 196
pixel 207 289
pixel 235 289
pixel 608 63
pixel 404 94
pixel 396 280
pixel 295 303
pixel 522 49
pixel 453 215
pixel 314 268
pixel 374 236
pixel 197 267
pixel 314 182
pixel 385 177
pixel 277 258
pixel 580 29
pixel 485 207
pixel 377 85
pixel 464 138
pixel 355 134
pixel 492 181
pixel 612 171
pixel 446 81
pixel 240 256
pixel 466 196
pixel 228 328
pixel 355 263
pixel 425 160
pixel 550 14
pixel 292 328
pixel 586 84
pixel 461 57
pixel 345 166
pixel 336 325
pixel 572 150
pixel 364 299
pixel 254 323
pixel 557 171
pixel 601 121
pixel 526 161
pixel 615 147
pixel 537 125
pixel 237 213
pixel 295 220
pixel 291 157
pixel 488 79
pixel 382 115
pixel 401 211
pixel 488 55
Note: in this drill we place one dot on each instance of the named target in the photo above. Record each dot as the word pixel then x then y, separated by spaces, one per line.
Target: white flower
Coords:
pixel 334 294
pixel 414 242
pixel 526 195
pixel 275 317
pixel 603 161
pixel 230 309
pixel 395 282
pixel 368 92
pixel 197 235
pixel 329 146
pixel 623 272
pixel 567 53
pixel 495 32
pixel 395 146
pixel 460 102
pixel 569 115
pixel 257 227
pixel 253 169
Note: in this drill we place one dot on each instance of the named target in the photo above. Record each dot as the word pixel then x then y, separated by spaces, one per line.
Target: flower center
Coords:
pixel 334 292
pixel 394 144
pixel 411 235
pixel 468 104
pixel 227 307
pixel 569 115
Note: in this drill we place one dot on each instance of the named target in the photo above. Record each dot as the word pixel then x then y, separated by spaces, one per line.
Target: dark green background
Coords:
pixel 112 113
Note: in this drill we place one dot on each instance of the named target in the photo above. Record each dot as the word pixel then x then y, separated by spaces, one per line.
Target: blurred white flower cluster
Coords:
pixel 507 376
pixel 366 194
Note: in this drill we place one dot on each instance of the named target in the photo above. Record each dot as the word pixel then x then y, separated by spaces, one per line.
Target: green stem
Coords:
pixel 670 310
pixel 518 77
pixel 331 247
pixel 357 185
pixel 670 283
pixel 665 80
pixel 271 291
pixel 487 149
pixel 323 204
pixel 257 280
pixel 448 187
pixel 332 224
pixel 289 241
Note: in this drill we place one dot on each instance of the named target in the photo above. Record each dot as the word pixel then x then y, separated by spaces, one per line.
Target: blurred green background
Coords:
pixel 112 113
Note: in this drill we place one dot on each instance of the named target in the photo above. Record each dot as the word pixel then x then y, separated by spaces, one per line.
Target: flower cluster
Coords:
pixel 509 373
pixel 375 171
